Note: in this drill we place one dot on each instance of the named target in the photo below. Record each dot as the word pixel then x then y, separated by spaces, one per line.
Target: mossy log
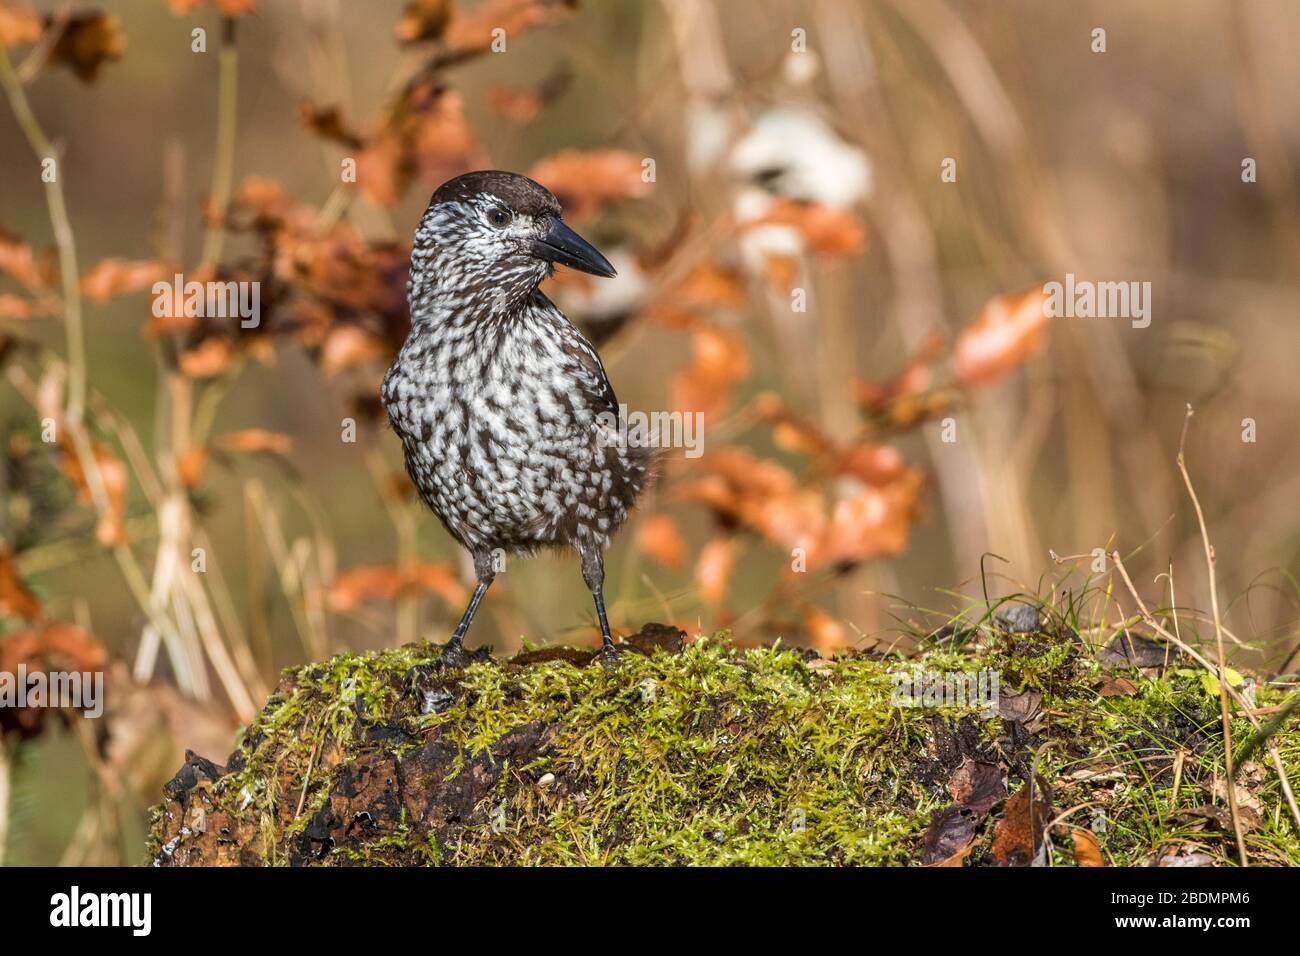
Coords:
pixel 697 752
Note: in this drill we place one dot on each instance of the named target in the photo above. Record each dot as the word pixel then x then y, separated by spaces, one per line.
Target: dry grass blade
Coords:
pixel 1224 714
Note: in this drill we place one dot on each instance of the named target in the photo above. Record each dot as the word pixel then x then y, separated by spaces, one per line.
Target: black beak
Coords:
pixel 561 244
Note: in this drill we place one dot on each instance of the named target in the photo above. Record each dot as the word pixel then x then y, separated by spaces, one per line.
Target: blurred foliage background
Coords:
pixel 887 409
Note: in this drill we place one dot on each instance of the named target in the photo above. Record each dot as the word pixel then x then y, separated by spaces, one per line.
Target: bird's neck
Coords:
pixel 443 290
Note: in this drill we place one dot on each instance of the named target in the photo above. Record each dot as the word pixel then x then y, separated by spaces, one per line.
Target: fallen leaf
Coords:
pixel 977 786
pixel 1024 707
pixel 949 837
pixel 1116 687
pixel 1086 850
pixel 1018 833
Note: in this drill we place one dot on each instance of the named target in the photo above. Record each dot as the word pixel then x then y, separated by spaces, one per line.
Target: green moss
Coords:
pixel 720 756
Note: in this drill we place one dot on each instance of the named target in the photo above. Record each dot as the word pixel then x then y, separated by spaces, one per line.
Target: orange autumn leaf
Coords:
pixel 348 346
pixel 1010 330
pixel 110 527
pixel 828 635
pixel 16 600
pixel 585 181
pixel 116 276
pixel 18 262
pixel 713 569
pixel 514 104
pixel 15 307
pixel 719 359
pixel 88 40
pixel 423 20
pixel 190 465
pixel 659 538
pixel 869 523
pixel 471 31
pixel 384 581
pixel 826 230
pixel 251 440
pixel 208 359
pixel 19 26
pixel 227 8
pixel 1086 850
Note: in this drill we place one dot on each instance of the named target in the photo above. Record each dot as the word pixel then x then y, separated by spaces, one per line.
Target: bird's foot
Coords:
pixel 610 655
pixel 453 656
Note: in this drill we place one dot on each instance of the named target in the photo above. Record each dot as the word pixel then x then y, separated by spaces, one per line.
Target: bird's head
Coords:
pixel 494 234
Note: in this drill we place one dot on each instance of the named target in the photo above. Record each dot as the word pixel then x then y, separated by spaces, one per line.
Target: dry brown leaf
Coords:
pixel 19 26
pixel 1009 331
pixel 659 538
pixel 713 569
pixel 16 600
pixel 190 465
pixel 327 123
pixel 829 231
pixel 18 262
pixel 423 20
pixel 208 359
pixel 87 42
pixel 586 181
pixel 471 31
pixel 828 635
pixel 1086 850
pixel 348 346
pixel 515 104
pixel 115 276
pixel 227 8
pixel 251 440
pixel 367 582
pixel 1018 834
pixel 15 307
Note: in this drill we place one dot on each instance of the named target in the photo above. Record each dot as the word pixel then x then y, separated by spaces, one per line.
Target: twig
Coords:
pixel 223 167
pixel 1218 640
pixel 63 239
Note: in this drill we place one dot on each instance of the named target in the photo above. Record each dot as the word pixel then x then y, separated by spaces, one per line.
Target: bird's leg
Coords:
pixel 453 652
pixel 593 572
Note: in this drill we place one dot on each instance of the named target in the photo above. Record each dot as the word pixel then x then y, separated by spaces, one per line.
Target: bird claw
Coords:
pixel 453 656
pixel 611 655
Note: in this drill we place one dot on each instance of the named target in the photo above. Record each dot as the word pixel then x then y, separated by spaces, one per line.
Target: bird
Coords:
pixel 510 429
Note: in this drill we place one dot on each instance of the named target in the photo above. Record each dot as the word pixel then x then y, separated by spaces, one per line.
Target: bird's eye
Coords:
pixel 498 217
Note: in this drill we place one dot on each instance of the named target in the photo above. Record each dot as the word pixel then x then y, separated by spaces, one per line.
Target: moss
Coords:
pixel 713 755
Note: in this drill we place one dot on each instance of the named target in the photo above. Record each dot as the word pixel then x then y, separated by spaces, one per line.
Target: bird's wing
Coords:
pixel 597 385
